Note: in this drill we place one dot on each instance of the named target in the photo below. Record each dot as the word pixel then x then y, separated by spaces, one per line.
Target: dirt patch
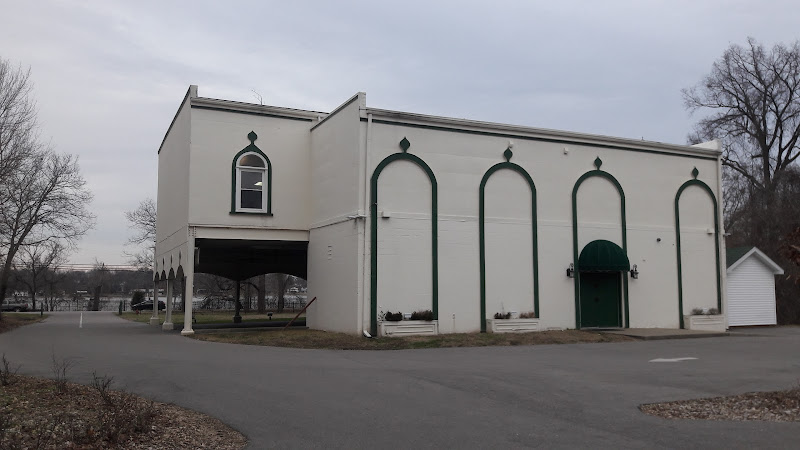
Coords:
pixel 38 413
pixel 777 406
pixel 341 341
pixel 9 321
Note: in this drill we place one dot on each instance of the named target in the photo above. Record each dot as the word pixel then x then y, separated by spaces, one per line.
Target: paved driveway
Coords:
pixel 561 396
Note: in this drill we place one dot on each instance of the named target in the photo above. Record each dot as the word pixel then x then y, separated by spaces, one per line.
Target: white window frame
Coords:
pixel 264 184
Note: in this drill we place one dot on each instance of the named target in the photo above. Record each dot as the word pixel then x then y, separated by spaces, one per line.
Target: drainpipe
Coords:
pixel 365 294
pixel 723 268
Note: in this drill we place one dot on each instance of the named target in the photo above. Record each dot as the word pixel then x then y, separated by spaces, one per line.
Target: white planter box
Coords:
pixel 410 328
pixel 705 322
pixel 512 325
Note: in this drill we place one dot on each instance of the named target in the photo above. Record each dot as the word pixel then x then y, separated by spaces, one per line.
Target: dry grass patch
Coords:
pixel 36 414
pixel 10 321
pixel 340 341
pixel 777 406
pixel 208 316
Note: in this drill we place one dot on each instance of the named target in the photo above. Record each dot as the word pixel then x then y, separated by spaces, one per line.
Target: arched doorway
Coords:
pixel 602 265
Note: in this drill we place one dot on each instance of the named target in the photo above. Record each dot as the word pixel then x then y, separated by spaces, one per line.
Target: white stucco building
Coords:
pixel 392 211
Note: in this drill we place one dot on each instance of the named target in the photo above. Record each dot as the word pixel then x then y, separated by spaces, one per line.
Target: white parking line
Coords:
pixel 687 358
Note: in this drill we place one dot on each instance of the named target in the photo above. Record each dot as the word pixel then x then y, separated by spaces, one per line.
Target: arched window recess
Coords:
pixel 251 180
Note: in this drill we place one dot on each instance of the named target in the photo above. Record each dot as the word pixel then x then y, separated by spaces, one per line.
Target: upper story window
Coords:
pixel 252 180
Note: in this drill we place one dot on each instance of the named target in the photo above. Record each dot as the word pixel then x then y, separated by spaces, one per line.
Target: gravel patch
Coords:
pixel 778 406
pixel 38 413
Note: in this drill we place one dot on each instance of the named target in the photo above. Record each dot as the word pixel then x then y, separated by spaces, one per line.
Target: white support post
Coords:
pixel 168 326
pixel 154 318
pixel 188 271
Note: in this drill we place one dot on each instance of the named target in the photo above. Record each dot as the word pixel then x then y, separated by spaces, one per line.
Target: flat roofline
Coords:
pixel 525 132
pixel 252 108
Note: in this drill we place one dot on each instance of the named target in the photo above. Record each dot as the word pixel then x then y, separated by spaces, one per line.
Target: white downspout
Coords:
pixel 723 267
pixel 365 297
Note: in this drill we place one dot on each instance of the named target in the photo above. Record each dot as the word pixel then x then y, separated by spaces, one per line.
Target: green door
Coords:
pixel 600 299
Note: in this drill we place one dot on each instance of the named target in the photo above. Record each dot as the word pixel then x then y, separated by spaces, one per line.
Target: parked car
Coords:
pixel 148 305
pixel 11 306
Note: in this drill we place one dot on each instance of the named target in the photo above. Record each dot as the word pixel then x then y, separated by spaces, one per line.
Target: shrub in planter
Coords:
pixel 498 315
pixel 393 317
pixel 527 315
pixel 704 312
pixel 426 314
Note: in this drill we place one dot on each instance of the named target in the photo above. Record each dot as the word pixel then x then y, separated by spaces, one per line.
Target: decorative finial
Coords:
pixel 508 154
pixel 598 162
pixel 695 172
pixel 404 144
pixel 252 136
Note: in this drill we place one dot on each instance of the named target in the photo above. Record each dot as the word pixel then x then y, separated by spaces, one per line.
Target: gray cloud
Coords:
pixel 109 75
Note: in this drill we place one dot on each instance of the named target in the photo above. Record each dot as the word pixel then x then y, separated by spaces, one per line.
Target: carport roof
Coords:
pixel 240 259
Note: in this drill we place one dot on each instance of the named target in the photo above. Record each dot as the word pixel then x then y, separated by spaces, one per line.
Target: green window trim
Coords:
pixel 374 231
pixel 507 165
pixel 603 174
pixel 707 189
pixel 252 136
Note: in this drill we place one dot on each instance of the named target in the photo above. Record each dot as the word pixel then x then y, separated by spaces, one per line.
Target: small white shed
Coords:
pixel 751 287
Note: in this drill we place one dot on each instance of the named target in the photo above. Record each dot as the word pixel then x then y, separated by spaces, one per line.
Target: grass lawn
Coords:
pixel 341 341
pixel 208 316
pixel 12 320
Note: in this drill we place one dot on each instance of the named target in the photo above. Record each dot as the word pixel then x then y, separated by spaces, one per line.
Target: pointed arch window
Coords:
pixel 252 180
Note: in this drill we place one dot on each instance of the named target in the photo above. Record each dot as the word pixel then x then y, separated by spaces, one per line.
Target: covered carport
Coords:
pixel 237 260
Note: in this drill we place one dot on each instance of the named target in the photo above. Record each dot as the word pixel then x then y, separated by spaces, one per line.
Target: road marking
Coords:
pixel 687 358
pixel 80 324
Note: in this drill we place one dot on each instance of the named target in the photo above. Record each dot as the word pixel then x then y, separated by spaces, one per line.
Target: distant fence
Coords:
pixel 292 303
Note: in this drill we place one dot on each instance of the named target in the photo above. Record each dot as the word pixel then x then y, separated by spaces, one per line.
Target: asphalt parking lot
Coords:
pixel 553 396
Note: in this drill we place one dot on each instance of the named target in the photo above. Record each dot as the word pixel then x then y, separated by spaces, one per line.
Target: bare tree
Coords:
pixel 48 202
pixel 262 286
pixel 280 282
pixel 143 222
pixel 37 262
pixel 98 278
pixel 17 121
pixel 752 96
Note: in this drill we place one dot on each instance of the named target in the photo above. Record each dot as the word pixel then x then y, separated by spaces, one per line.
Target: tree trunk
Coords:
pixel 281 290
pixel 4 281
pixel 96 299
pixel 262 284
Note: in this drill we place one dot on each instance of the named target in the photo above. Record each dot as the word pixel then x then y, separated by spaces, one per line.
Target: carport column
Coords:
pixel 154 318
pixel 168 326
pixel 188 290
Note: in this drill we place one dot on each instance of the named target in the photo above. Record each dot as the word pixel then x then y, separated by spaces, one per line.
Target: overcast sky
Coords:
pixel 109 75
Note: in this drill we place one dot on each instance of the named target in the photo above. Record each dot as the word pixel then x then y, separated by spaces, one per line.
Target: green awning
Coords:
pixel 603 256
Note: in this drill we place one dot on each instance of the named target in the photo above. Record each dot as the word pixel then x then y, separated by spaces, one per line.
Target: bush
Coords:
pixel 528 315
pixel 137 297
pixel 498 315
pixel 393 317
pixel 704 312
pixel 426 314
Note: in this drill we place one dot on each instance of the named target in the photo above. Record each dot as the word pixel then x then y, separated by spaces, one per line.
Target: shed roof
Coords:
pixel 735 256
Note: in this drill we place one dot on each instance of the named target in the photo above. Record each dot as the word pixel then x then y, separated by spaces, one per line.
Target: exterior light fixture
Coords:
pixel 635 272
pixel 571 270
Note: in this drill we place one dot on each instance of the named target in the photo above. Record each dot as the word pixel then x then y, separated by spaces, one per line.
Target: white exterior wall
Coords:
pixel 336 239
pixel 172 207
pixel 509 240
pixel 320 193
pixel 697 250
pixel 649 180
pixel 217 136
pixel 751 294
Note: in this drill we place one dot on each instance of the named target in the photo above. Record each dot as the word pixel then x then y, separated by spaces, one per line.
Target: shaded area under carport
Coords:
pixel 239 259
